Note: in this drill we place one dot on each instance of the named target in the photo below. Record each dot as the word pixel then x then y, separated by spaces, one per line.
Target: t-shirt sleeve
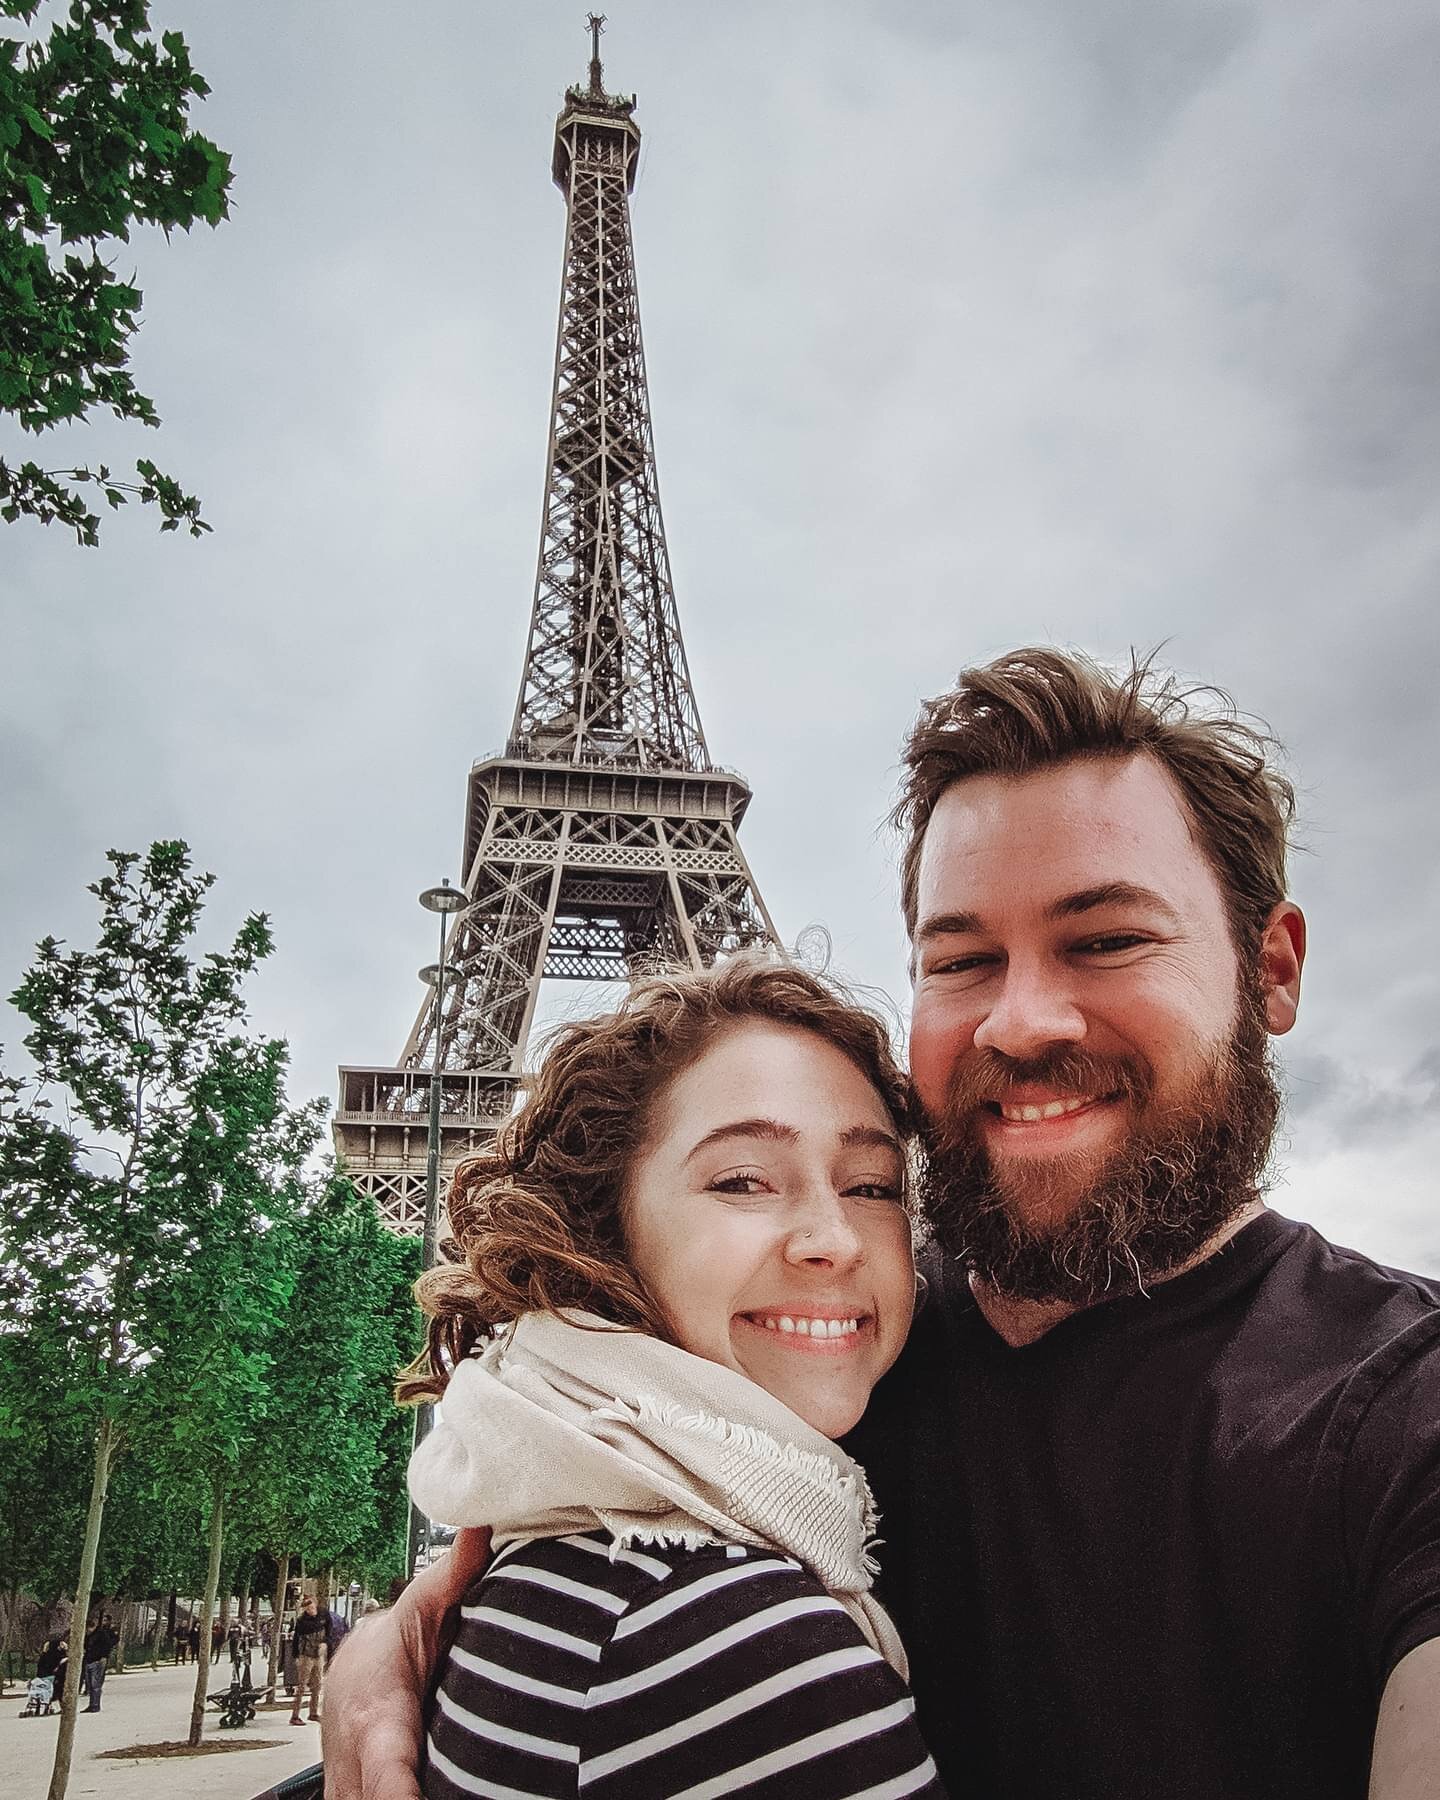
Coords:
pixel 748 1676
pixel 1392 1502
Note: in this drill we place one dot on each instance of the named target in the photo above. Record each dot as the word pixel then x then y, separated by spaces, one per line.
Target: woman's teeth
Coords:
pixel 1052 1109
pixel 818 1328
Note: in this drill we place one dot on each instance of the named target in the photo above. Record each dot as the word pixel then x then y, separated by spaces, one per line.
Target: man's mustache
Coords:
pixel 989 1077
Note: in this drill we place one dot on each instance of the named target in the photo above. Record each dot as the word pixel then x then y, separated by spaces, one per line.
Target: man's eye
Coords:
pixel 958 965
pixel 1112 942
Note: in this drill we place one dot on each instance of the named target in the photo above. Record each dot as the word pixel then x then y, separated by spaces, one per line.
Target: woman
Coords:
pixel 686 1263
pixel 49 1682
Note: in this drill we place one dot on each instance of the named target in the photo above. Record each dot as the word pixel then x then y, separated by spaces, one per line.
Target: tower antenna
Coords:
pixel 597 84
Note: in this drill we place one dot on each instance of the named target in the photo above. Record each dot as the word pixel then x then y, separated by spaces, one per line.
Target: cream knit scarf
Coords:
pixel 557 1427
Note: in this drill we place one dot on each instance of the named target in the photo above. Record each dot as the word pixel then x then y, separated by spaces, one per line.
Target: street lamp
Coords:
pixel 443 900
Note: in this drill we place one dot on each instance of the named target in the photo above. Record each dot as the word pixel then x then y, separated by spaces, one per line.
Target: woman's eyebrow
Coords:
pixel 854 1137
pixel 771 1129
pixel 870 1137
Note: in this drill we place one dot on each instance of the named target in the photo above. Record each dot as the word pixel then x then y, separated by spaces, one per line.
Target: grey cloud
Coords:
pixel 968 325
pixel 1339 1104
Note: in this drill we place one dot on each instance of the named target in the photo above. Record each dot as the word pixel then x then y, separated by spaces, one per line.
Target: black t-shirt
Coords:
pixel 312 1632
pixel 1176 1546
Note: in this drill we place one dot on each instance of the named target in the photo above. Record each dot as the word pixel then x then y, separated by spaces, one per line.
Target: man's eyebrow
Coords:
pixel 854 1137
pixel 1114 893
pixel 952 924
pixel 1106 893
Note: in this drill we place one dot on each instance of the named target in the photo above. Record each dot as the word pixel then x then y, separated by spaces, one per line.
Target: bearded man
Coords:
pixel 1159 1469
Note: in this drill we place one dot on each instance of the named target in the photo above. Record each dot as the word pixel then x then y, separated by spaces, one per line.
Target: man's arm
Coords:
pixel 1406 1763
pixel 371 1734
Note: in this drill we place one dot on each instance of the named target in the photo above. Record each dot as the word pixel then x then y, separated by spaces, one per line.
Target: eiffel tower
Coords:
pixel 603 841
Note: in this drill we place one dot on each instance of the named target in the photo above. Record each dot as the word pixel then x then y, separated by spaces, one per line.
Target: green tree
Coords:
pixel 44 1471
pixel 209 1389
pixel 100 1209
pixel 94 138
pixel 325 1483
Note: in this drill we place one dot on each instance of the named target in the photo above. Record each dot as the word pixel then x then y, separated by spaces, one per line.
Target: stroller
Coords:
pixel 39 1697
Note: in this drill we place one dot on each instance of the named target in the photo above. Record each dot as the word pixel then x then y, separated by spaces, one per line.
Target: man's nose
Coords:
pixel 823 1234
pixel 1033 1009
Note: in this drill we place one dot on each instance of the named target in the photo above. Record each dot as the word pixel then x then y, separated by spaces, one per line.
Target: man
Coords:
pixel 313 1640
pixel 100 1640
pixel 1160 1470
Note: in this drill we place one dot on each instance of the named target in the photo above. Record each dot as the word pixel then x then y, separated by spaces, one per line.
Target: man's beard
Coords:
pixel 1189 1166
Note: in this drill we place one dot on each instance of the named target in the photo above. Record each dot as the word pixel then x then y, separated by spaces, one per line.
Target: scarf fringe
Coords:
pixel 852 1493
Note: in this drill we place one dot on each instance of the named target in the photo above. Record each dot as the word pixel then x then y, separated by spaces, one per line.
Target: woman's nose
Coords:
pixel 823 1233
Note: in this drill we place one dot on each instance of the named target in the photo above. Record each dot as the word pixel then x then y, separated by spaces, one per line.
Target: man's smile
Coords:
pixel 1027 1112
pixel 1044 1121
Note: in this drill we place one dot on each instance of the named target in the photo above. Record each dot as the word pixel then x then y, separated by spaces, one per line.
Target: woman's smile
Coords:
pixel 817 1334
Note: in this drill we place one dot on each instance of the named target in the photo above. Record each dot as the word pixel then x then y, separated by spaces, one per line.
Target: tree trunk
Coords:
pixel 157 1630
pixel 282 1578
pixel 65 1736
pixel 12 1629
pixel 212 1581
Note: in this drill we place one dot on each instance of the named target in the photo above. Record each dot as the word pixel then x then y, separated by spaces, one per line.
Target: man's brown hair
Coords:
pixel 1037 708
pixel 536 1220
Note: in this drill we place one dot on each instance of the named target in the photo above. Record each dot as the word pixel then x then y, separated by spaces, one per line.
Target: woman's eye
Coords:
pixel 739 1183
pixel 875 1190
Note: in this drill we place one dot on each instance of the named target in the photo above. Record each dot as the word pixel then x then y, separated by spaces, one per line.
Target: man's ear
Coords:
pixel 1282 956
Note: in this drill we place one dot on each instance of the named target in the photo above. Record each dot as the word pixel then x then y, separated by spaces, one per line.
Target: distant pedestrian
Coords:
pixel 100 1640
pixel 217 1641
pixel 192 1640
pixel 314 1638
pixel 51 1665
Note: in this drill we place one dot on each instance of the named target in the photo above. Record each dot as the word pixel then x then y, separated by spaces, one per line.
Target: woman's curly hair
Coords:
pixel 536 1218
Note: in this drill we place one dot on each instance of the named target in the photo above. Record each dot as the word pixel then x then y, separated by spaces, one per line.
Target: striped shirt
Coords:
pixel 581 1669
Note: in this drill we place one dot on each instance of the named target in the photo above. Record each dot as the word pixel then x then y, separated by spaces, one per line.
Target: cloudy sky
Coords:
pixel 968 325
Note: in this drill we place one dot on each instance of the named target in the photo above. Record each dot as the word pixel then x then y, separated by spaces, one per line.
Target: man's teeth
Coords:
pixel 818 1328
pixel 1052 1109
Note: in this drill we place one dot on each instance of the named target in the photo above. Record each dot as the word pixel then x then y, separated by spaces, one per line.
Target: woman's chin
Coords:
pixel 832 1415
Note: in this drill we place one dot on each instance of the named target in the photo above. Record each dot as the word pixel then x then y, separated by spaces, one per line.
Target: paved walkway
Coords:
pixel 144 1708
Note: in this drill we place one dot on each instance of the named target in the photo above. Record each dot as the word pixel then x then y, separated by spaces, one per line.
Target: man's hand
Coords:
pixel 371 1733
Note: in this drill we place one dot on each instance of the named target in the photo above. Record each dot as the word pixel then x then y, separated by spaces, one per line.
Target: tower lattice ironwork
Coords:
pixel 603 841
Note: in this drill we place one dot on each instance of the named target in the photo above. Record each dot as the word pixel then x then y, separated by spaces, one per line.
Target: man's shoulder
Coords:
pixel 1333 1294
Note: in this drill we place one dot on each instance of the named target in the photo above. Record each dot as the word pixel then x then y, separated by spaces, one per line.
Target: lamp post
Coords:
pixel 443 900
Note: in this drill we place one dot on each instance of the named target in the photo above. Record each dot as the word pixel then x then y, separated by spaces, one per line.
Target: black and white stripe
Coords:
pixel 581 1669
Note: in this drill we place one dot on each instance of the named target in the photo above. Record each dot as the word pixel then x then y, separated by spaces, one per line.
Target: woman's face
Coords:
pixel 764 1213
